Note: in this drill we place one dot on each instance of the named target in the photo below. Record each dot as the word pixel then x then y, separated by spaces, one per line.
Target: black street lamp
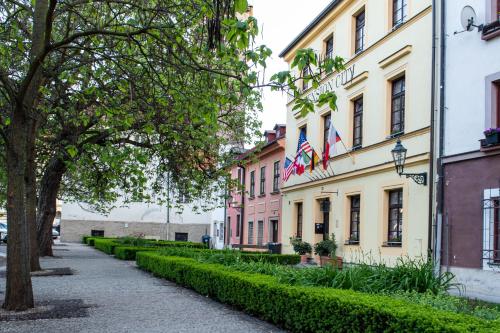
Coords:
pixel 399 158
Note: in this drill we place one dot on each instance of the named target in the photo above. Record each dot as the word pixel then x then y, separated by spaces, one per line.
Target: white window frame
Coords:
pixel 487 235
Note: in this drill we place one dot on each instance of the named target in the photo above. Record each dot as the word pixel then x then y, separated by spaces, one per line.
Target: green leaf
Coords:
pixel 72 151
pixel 241 6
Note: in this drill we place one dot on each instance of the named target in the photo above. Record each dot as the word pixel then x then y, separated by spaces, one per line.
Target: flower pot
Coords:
pixel 492 139
pixel 304 258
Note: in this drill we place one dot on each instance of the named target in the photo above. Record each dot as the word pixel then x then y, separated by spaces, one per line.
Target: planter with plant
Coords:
pixel 326 250
pixel 492 136
pixel 302 248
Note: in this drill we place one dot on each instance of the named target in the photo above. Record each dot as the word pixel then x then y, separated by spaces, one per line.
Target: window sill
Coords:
pixel 275 192
pixel 251 197
pixel 491 30
pixel 395 135
pixel 351 242
pixel 358 147
pixel 489 147
pixel 261 195
pixel 392 244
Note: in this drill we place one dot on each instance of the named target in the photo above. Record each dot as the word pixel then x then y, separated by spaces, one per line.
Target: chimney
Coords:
pixel 270 136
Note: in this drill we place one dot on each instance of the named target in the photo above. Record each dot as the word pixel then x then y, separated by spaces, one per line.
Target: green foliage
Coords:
pixel 307 309
pixel 106 245
pixel 129 252
pixel 326 247
pixel 447 302
pixel 300 247
pixel 228 257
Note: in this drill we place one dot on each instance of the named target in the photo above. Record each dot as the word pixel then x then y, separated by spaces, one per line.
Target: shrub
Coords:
pixel 89 240
pixel 308 309
pixel 326 247
pixel 129 252
pixel 227 257
pixel 105 245
pixel 300 247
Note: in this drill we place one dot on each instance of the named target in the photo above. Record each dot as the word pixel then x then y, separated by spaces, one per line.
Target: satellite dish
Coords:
pixel 468 18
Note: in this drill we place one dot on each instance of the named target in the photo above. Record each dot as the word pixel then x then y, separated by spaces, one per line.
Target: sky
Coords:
pixel 280 21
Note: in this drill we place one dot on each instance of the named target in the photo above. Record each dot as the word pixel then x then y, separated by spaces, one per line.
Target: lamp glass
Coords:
pixel 399 157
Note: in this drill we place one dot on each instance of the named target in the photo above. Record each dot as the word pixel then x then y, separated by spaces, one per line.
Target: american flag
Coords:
pixel 289 169
pixel 303 143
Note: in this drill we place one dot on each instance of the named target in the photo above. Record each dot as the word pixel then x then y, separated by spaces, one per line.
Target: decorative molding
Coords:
pixel 357 79
pixel 395 56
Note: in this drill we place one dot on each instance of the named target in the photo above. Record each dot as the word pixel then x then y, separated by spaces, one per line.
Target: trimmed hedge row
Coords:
pixel 106 245
pixel 129 252
pixel 308 309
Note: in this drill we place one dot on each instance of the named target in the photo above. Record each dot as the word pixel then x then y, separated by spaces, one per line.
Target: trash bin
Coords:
pixel 205 239
pixel 274 248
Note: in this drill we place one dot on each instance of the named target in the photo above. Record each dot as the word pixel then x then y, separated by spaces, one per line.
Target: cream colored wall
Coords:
pixel 387 54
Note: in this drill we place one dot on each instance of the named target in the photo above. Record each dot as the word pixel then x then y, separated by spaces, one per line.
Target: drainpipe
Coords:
pixel 433 131
pixel 440 167
pixel 242 211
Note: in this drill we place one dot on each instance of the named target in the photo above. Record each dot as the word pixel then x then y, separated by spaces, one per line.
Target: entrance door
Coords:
pixel 325 208
pixel 274 231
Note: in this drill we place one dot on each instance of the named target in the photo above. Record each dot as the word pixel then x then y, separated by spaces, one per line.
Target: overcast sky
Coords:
pixel 280 21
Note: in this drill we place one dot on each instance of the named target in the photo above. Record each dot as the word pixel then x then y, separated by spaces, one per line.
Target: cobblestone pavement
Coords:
pixel 118 297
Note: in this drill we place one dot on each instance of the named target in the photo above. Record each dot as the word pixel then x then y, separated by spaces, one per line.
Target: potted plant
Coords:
pixel 492 136
pixel 326 250
pixel 302 248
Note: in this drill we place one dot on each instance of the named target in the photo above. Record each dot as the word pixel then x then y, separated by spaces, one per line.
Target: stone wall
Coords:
pixel 74 230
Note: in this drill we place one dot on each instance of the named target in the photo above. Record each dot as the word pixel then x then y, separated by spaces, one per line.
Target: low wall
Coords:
pixel 477 283
pixel 74 230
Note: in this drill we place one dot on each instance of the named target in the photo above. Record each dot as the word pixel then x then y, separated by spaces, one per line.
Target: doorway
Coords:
pixel 274 231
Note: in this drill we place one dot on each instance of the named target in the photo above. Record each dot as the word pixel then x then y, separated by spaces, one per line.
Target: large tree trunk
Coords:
pixel 19 292
pixel 31 197
pixel 46 212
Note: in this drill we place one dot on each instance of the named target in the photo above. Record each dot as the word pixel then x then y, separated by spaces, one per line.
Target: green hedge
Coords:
pixel 105 245
pixel 129 252
pixel 89 240
pixel 164 243
pixel 308 309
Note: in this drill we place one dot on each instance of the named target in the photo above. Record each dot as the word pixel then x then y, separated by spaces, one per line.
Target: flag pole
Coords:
pixel 347 150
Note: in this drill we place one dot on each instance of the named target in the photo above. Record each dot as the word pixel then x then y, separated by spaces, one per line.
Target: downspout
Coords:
pixel 242 215
pixel 442 84
pixel 432 140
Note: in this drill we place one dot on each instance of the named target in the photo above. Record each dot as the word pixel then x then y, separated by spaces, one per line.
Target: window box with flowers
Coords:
pixel 492 136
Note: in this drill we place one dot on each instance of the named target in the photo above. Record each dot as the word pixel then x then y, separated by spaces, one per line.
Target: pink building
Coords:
pixel 254 214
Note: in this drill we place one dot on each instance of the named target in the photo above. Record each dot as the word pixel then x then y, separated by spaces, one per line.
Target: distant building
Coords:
pixel 135 219
pixel 254 213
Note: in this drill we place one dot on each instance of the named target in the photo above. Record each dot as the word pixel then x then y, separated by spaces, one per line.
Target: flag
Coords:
pixel 289 168
pixel 303 143
pixel 302 158
pixel 333 138
pixel 314 160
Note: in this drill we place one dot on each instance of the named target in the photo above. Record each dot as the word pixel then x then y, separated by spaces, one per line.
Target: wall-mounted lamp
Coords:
pixel 399 158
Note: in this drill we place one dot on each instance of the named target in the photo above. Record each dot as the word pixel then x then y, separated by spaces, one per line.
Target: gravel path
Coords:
pixel 122 298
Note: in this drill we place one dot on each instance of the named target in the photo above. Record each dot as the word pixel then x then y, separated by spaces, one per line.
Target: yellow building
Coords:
pixel 384 94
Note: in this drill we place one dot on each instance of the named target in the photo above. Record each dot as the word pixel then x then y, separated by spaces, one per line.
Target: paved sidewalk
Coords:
pixel 123 298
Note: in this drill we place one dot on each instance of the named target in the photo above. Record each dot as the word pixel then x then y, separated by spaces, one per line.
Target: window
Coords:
pixel 252 184
pixel 306 72
pixel 274 231
pixel 395 233
pixel 357 131
pixel 398 106
pixel 329 48
pixel 496 91
pixel 250 233
pixel 260 232
pixel 229 225
pixel 181 236
pixel 238 225
pixel 326 128
pixel 263 180
pixel 221 228
pixel 299 220
pixel 240 174
pixel 359 40
pixel 354 225
pixel 399 12
pixel 276 176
